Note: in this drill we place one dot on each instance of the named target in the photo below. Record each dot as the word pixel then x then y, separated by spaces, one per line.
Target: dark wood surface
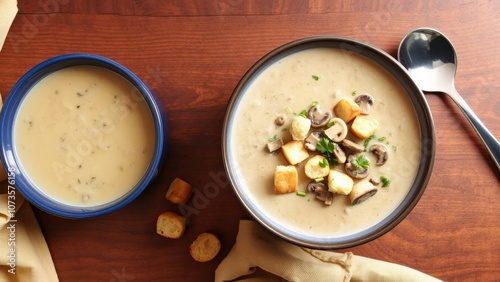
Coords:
pixel 192 53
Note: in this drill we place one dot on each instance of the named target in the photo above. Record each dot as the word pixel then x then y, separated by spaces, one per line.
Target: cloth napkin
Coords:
pixel 260 256
pixel 24 254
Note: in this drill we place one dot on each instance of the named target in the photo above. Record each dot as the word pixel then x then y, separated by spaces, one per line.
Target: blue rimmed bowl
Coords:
pixel 14 166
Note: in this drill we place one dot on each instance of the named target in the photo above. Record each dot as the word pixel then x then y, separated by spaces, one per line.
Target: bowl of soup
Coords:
pixel 82 136
pixel 327 142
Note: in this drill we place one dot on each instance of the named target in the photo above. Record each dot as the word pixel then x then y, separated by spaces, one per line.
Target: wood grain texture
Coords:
pixel 192 54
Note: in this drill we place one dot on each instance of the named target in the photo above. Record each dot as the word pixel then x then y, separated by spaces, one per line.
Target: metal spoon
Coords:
pixel 432 63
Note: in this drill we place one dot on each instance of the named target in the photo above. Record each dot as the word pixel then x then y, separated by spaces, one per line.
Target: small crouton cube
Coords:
pixel 179 192
pixel 294 152
pixel 170 225
pixel 339 182
pixel 285 179
pixel 346 109
pixel 363 127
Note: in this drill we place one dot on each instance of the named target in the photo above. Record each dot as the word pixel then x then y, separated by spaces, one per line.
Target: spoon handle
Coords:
pixel 489 140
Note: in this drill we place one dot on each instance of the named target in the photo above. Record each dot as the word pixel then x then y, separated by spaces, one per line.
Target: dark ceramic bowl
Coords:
pixel 426 153
pixel 14 167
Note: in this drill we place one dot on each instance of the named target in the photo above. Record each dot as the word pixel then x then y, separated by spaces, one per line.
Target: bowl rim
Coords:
pixel 423 113
pixel 12 165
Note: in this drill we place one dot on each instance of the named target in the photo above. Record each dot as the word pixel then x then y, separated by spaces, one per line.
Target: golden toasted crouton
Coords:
pixel 294 152
pixel 316 168
pixel 286 179
pixel 363 127
pixel 179 192
pixel 339 182
pixel 205 247
pixel 170 225
pixel 346 109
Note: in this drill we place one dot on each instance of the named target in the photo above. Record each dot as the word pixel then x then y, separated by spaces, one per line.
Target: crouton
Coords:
pixel 363 127
pixel 179 192
pixel 339 182
pixel 285 179
pixel 205 247
pixel 170 225
pixel 299 127
pixel 316 167
pixel 294 152
pixel 346 109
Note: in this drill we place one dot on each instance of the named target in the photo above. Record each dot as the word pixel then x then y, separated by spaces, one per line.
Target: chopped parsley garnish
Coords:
pixel 395 149
pixel 319 179
pixel 274 138
pixel 314 103
pixel 385 181
pixel 326 147
pixel 315 77
pixel 361 161
pixel 367 141
pixel 382 139
pixel 323 163
pixel 301 193
pixel 303 113
pixel 353 93
pixel 330 124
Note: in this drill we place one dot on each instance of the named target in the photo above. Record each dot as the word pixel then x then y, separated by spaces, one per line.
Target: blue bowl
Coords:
pixel 14 167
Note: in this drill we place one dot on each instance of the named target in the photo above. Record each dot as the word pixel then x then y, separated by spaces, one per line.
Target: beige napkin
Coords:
pixel 24 254
pixel 8 11
pixel 260 256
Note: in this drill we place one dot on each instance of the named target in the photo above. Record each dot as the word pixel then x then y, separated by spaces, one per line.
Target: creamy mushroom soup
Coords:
pixel 84 135
pixel 289 86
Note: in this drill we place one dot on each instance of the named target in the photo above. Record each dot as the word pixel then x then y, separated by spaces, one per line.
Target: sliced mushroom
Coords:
pixel 312 140
pixel 280 120
pixel 355 172
pixel 274 145
pixel 339 154
pixel 361 191
pixel 375 181
pixel 381 152
pixel 318 117
pixel 321 191
pixel 365 102
pixel 338 131
pixel 354 147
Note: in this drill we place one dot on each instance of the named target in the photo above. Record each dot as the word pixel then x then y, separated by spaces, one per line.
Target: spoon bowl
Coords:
pixel 431 61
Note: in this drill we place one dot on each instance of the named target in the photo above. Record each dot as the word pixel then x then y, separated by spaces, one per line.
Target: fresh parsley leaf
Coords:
pixel 367 141
pixel 303 113
pixel 323 163
pixel 325 146
pixel 315 77
pixel 385 181
pixel 361 161
pixel 314 103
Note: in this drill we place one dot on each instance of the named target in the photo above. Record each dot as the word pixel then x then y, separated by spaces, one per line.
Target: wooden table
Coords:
pixel 192 53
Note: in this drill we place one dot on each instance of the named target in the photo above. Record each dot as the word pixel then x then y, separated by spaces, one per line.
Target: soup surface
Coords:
pixel 84 135
pixel 287 87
